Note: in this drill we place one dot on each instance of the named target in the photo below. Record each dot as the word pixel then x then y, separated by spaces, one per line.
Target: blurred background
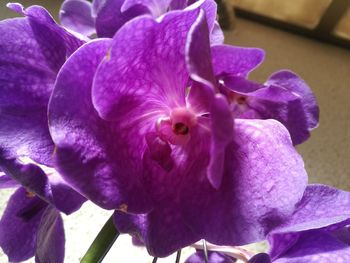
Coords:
pixel 310 37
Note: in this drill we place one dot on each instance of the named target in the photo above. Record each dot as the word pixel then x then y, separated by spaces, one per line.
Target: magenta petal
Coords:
pixel 88 151
pixel 210 8
pixel 217 35
pixel 198 56
pixel 145 83
pixel 222 136
pixel 229 60
pixel 19 225
pixel 50 239
pixel 76 15
pixel 264 178
pixel 156 75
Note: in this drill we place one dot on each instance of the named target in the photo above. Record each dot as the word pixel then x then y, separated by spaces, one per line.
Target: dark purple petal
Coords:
pixel 296 85
pixel 7 182
pixel 50 187
pixel 279 243
pixel 155 7
pixel 321 206
pixel 260 258
pixel 229 60
pixel 316 247
pixel 268 102
pixel 264 178
pixel 109 18
pixel 343 235
pixel 213 257
pixel 76 15
pixel 42 23
pixel 64 198
pixel 137 242
pixel 28 175
pixel 32 51
pixel 26 81
pixel 19 225
pixel 86 144
pixel 50 238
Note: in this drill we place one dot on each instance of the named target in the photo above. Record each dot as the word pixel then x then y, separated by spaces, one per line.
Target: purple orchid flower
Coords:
pixel 284 96
pixel 31 224
pixel 317 232
pixel 106 17
pixel 132 135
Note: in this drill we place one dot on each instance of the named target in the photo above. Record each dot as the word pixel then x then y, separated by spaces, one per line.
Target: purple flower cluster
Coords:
pixel 156 119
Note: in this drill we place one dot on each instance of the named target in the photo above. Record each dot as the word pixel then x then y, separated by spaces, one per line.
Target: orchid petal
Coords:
pixel 19 225
pixel 50 239
pixel 76 15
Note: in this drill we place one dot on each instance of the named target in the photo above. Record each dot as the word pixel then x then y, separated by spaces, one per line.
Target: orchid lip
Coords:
pixel 176 129
pixel 180 128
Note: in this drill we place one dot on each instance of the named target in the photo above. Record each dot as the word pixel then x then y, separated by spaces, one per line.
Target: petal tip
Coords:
pixel 16 7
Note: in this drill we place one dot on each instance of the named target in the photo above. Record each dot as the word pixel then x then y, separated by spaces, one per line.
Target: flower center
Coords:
pixel 180 128
pixel 177 128
pixel 235 98
pixel 241 100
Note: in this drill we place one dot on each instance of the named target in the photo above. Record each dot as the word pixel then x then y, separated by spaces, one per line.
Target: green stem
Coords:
pixel 102 243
